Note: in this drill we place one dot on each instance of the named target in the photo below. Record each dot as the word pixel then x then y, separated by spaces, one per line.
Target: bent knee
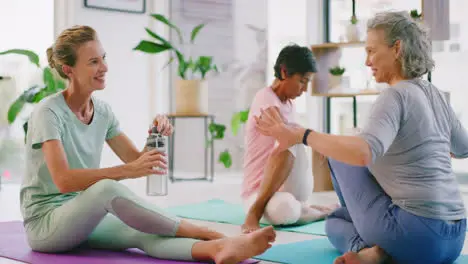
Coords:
pixel 106 186
pixel 283 209
pixel 48 246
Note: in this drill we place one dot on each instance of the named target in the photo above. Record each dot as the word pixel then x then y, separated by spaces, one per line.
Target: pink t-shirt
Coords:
pixel 259 147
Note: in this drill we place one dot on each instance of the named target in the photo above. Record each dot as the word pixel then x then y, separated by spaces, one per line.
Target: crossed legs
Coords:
pixel 369 228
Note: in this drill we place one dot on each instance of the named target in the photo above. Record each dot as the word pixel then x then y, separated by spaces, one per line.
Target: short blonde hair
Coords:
pixel 63 52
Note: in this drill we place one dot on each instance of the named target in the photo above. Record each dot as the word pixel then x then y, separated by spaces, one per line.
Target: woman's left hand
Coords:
pixel 164 126
pixel 270 123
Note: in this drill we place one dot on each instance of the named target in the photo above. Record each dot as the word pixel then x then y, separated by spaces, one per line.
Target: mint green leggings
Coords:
pixel 108 215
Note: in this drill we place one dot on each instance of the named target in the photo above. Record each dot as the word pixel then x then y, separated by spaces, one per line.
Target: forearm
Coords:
pixel 352 150
pixel 276 172
pixel 124 148
pixel 74 180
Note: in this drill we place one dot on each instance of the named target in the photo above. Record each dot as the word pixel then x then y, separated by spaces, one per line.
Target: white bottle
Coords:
pixel 156 184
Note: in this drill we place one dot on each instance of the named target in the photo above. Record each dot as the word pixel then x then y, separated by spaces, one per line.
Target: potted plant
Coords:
pixel 190 97
pixel 352 30
pixel 52 84
pixel 336 76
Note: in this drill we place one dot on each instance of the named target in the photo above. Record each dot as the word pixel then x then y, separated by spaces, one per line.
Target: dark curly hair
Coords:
pixel 295 59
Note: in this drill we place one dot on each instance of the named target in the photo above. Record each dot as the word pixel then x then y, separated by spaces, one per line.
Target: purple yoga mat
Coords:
pixel 13 245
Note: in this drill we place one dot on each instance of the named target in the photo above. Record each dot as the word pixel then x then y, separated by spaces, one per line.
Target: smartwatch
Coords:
pixel 306 134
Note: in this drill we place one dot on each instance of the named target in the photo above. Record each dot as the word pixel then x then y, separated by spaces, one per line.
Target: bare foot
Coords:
pixel 251 224
pixel 237 249
pixel 373 255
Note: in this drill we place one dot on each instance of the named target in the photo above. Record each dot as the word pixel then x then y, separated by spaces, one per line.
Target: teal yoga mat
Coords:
pixel 305 252
pixel 311 251
pixel 223 212
pixel 462 260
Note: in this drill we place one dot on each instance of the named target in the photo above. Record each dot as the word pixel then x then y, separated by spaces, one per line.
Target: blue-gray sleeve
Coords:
pixel 383 123
pixel 458 138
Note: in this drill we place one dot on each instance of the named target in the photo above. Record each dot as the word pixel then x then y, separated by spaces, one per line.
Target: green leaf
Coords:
pixel 49 79
pixel 204 65
pixel 244 115
pixel 235 123
pixel 225 158
pixel 195 32
pixel 217 130
pixel 182 64
pixel 28 95
pixel 237 120
pixel 15 109
pixel 60 84
pixel 33 57
pixel 166 21
pixel 156 36
pixel 43 93
pixel 205 61
pixel 150 47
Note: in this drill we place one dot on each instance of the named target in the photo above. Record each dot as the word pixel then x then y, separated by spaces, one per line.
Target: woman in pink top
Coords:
pixel 276 187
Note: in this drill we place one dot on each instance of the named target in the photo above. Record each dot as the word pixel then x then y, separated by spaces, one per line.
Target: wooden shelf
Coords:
pixel 351 94
pixel 328 55
pixel 332 45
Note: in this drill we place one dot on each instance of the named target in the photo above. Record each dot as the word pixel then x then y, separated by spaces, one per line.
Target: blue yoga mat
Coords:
pixel 223 212
pixel 311 251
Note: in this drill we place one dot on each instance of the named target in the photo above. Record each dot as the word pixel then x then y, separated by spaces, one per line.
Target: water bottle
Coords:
pixel 156 184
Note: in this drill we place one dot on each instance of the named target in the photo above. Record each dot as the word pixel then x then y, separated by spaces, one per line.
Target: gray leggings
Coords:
pixel 132 223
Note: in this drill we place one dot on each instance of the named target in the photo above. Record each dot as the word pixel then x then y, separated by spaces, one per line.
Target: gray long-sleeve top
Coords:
pixel 411 131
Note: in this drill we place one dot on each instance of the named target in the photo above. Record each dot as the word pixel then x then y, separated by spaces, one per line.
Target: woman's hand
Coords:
pixel 270 123
pixel 150 162
pixel 164 126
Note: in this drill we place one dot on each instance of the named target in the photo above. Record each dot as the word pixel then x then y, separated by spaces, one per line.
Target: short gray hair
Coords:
pixel 415 58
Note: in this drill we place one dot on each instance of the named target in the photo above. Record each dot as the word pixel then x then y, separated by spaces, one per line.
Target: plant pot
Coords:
pixel 352 33
pixel 191 97
pixel 335 81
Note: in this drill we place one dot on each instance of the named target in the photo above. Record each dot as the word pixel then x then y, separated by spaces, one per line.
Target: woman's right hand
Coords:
pixel 150 162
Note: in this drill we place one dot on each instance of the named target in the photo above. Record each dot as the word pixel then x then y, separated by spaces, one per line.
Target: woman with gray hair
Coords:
pixel 400 198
